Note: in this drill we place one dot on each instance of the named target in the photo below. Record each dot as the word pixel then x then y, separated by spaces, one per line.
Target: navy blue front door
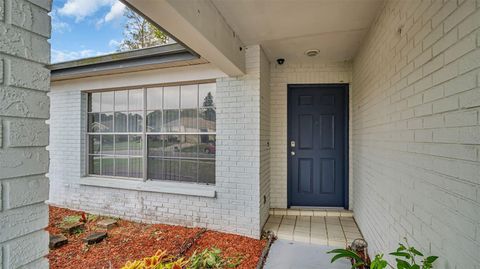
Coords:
pixel 316 145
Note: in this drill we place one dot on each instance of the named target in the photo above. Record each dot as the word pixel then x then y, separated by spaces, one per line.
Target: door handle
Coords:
pixel 292 153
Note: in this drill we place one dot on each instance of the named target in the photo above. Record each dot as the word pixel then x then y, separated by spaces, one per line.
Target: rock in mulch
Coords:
pixel 107 224
pixel 95 237
pixel 73 227
pixel 57 241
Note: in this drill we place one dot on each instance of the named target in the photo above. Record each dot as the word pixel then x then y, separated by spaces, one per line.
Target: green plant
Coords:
pixel 357 261
pixel 406 258
pixel 211 258
pixel 71 219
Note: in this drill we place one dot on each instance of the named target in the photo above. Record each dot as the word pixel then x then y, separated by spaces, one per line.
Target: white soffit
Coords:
pixel 287 28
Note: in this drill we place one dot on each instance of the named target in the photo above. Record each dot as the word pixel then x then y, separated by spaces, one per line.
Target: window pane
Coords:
pixel 136 167
pixel 155 145
pixel 207 119
pixel 94 102
pixel 171 121
pixel 136 145
pixel 135 99
pixel 135 121
pixel 94 165
pixel 154 98
pixel 206 147
pixel 172 145
pixel 121 166
pixel 107 144
pixel 188 170
pixel 189 146
pixel 206 172
pixel 107 102
pixel 121 122
pixel 189 96
pixel 121 100
pixel 106 121
pixel 171 97
pixel 206 95
pixel 107 165
pixel 155 168
pixel 154 121
pixel 121 145
pixel 94 122
pixel 94 144
pixel 171 168
pixel 188 120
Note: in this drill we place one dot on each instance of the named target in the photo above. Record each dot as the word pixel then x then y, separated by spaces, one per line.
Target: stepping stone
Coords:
pixel 107 224
pixel 95 237
pixel 73 227
pixel 57 241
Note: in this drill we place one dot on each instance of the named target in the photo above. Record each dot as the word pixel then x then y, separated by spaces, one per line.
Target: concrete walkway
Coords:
pixel 285 254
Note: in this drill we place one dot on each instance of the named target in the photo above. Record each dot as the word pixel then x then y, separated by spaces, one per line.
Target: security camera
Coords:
pixel 280 61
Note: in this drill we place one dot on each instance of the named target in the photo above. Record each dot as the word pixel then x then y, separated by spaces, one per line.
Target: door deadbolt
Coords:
pixel 292 143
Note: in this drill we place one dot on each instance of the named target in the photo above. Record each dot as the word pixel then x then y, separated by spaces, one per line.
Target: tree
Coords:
pixel 139 33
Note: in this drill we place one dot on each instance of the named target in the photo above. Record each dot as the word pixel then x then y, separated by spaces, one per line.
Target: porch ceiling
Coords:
pixel 287 28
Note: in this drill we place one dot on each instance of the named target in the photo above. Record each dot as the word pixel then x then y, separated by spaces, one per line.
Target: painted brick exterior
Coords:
pixel 236 208
pixel 24 107
pixel 416 133
pixel 280 77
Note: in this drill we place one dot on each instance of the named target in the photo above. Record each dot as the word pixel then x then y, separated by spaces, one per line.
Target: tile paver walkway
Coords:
pixel 322 230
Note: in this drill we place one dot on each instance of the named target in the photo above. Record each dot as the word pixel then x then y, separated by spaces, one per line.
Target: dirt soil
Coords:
pixel 133 241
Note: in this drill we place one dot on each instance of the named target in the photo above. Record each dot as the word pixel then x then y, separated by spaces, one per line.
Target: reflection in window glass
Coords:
pixel 171 97
pixel 107 165
pixel 121 145
pixel 94 144
pixel 171 123
pixel 135 99
pixel 121 100
pixel 135 121
pixel 136 167
pixel 94 102
pixel 154 121
pixel 106 122
pixel 107 102
pixel 94 122
pixel 121 122
pixel 154 98
pixel 121 166
pixel 206 93
pixel 179 130
pixel 189 96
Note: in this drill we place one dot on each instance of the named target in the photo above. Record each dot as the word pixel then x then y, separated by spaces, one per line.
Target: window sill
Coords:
pixel 191 189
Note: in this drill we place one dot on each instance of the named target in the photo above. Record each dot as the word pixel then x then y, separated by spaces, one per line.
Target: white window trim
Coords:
pixel 184 188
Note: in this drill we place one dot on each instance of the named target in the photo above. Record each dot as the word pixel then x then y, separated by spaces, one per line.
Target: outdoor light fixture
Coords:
pixel 312 52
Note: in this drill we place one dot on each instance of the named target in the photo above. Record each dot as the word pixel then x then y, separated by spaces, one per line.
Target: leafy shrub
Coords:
pixel 161 260
pixel 407 258
pixel 207 259
pixel 211 258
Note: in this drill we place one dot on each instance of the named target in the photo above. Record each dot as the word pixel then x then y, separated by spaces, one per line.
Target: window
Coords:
pixel 177 123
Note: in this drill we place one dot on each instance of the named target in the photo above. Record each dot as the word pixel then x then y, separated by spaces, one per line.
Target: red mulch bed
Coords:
pixel 133 241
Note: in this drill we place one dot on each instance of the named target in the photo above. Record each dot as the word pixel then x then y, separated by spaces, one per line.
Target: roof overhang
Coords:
pixel 165 56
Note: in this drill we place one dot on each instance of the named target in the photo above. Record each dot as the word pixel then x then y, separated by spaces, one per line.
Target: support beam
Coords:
pixel 199 26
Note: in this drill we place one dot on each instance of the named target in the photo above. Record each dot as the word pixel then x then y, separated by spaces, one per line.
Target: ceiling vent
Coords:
pixel 312 52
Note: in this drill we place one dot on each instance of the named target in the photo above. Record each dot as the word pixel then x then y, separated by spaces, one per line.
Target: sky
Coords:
pixel 85 28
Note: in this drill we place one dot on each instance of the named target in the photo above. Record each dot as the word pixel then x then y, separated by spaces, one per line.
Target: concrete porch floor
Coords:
pixel 334 231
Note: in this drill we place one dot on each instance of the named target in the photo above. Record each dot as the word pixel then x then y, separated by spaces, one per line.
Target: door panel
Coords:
pixel 316 145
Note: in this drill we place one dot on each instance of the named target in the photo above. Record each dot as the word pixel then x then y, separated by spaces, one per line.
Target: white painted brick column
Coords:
pixel 416 130
pixel 24 107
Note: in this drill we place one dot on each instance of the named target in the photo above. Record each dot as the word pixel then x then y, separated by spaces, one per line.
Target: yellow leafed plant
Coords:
pixel 161 260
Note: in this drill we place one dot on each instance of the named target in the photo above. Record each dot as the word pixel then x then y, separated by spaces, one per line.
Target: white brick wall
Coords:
pixel 416 133
pixel 280 77
pixel 236 208
pixel 24 107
